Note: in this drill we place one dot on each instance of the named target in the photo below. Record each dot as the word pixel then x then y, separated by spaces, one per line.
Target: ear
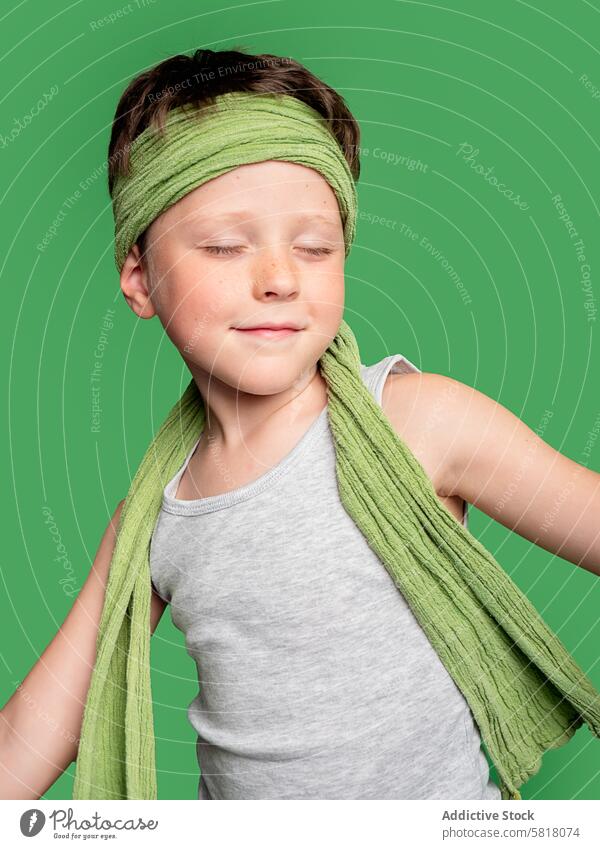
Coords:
pixel 135 284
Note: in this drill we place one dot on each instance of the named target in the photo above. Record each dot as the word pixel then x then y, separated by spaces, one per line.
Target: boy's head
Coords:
pixel 261 243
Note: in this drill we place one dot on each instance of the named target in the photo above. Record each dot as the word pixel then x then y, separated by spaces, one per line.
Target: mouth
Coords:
pixel 268 332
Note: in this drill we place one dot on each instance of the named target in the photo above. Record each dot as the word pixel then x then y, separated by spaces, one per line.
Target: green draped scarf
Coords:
pixel 526 692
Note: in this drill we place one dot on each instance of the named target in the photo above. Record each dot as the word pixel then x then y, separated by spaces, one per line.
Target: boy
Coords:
pixel 263 244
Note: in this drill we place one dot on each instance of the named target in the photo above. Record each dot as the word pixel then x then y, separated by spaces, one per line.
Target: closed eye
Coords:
pixel 221 249
pixel 318 251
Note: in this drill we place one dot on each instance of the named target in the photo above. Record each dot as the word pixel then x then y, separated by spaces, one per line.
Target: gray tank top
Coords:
pixel 315 679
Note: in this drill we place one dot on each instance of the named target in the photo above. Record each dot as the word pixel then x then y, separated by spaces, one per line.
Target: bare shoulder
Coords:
pixel 427 411
pixel 452 427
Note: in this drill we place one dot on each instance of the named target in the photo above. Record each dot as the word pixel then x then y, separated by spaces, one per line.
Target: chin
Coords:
pixel 266 376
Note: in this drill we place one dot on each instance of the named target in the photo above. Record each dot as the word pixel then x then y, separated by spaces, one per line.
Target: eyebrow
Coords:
pixel 242 214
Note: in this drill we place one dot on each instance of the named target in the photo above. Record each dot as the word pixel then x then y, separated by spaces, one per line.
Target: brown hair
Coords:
pixel 197 79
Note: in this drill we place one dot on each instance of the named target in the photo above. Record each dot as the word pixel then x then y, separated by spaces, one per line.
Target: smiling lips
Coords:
pixel 270 331
pixel 267 332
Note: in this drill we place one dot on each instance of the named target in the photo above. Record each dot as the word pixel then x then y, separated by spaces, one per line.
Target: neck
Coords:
pixel 233 417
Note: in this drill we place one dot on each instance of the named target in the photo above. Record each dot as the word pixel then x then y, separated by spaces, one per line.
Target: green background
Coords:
pixel 510 319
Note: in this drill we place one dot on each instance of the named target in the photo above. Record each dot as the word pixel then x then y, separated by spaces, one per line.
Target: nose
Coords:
pixel 274 273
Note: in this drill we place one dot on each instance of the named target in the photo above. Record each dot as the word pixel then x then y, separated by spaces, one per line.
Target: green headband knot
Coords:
pixel 240 128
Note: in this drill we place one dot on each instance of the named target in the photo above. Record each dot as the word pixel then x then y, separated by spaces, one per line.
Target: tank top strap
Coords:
pixel 375 375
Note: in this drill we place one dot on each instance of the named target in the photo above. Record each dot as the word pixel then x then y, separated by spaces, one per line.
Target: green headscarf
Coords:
pixel 525 691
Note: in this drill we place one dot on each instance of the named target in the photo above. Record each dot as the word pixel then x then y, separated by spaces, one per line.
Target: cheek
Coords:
pixel 194 312
pixel 327 292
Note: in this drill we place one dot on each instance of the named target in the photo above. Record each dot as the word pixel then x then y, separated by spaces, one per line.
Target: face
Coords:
pixel 262 244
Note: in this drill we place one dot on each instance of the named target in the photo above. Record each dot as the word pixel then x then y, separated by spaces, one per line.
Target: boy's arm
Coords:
pixel 41 722
pixel 496 462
